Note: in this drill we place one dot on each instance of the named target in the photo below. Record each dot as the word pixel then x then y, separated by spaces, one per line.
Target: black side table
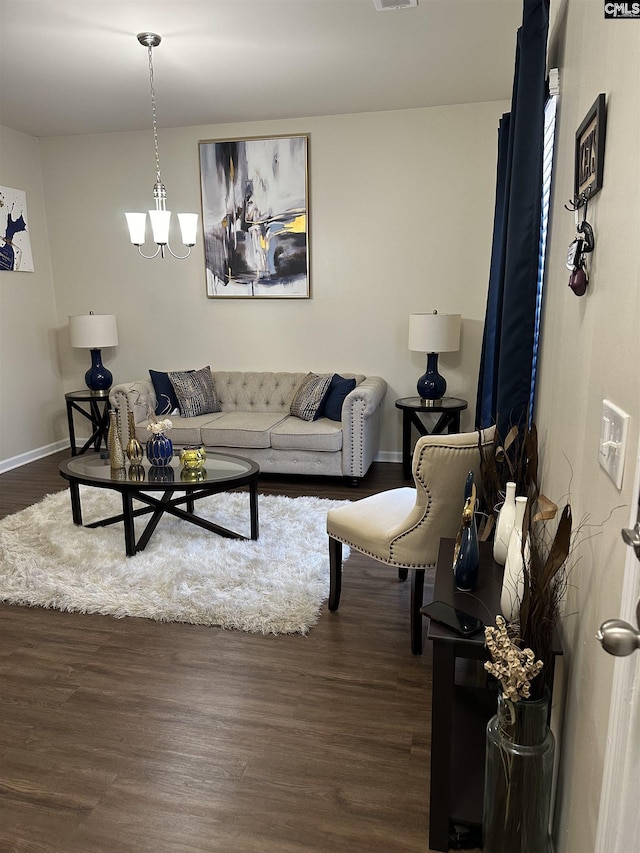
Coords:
pixel 448 408
pixel 95 408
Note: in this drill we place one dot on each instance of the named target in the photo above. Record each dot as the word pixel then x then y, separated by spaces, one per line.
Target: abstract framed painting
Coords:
pixel 15 242
pixel 255 217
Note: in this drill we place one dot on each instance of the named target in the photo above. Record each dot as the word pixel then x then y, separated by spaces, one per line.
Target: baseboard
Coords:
pixel 32 455
pixel 388 456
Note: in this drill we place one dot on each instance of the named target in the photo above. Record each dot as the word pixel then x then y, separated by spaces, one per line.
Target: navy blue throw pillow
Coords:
pixel 331 406
pixel 166 400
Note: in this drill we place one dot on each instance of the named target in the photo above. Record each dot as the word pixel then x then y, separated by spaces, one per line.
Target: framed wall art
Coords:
pixel 589 153
pixel 255 217
pixel 15 242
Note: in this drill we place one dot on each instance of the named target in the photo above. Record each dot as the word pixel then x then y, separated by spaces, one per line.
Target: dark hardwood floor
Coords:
pixel 127 735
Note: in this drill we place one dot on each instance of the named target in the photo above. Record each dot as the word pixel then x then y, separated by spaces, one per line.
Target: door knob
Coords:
pixel 618 637
pixel 632 538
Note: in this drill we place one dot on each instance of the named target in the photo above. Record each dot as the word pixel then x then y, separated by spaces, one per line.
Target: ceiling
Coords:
pixel 75 66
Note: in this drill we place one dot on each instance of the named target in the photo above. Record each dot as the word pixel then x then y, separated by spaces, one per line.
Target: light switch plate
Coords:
pixel 614 427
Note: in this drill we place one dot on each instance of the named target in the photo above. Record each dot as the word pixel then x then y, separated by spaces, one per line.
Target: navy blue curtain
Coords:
pixel 504 383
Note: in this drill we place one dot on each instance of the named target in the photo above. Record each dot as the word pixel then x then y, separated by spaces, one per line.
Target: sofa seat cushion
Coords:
pixel 241 429
pixel 183 431
pixel 295 434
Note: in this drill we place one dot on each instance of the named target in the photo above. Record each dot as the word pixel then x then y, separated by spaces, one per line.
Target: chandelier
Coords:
pixel 160 217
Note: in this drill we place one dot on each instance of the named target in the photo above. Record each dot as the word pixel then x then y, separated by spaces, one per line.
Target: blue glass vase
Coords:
pixel 159 450
pixel 466 562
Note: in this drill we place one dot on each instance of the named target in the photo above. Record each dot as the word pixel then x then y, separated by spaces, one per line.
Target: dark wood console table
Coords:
pixel 461 707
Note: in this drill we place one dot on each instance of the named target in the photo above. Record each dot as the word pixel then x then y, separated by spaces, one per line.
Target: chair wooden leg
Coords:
pixel 335 573
pixel 417 592
pixel 403 574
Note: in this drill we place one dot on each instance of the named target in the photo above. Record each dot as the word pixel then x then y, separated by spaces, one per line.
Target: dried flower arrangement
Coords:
pixel 545 569
pixel 512 666
pixel 154 425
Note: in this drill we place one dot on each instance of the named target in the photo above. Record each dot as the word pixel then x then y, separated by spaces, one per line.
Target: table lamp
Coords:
pixel 433 333
pixel 94 331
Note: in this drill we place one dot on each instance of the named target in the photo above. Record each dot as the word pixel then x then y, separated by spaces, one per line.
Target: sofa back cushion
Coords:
pixel 248 391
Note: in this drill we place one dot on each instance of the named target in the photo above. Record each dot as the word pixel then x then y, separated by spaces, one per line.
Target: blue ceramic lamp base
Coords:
pixel 98 378
pixel 432 385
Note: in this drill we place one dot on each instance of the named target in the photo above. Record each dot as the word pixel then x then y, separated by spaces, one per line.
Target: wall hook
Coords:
pixel 578 201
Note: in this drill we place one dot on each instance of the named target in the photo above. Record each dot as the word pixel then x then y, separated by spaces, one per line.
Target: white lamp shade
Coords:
pixel 93 331
pixel 137 223
pixel 160 220
pixel 434 332
pixel 188 227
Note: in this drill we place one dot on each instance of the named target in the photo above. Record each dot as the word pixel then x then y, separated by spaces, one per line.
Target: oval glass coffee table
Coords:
pixel 168 489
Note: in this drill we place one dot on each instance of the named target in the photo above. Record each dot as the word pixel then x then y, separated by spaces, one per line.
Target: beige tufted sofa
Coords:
pixel 255 422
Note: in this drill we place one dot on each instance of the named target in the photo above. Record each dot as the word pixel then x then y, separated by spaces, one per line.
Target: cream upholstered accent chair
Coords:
pixel 402 527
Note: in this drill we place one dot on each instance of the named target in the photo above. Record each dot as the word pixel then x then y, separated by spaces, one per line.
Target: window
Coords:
pixel 547 172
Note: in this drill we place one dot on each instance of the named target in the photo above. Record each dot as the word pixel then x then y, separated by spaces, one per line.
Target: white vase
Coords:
pixel 504 525
pixel 513 578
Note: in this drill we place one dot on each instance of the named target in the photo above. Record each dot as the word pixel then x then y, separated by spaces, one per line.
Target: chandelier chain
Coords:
pixel 153 116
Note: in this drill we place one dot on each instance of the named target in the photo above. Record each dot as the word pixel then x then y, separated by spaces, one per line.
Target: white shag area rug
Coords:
pixel 275 585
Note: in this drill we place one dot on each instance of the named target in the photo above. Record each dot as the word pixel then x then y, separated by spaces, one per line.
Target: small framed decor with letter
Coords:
pixel 589 162
pixel 255 217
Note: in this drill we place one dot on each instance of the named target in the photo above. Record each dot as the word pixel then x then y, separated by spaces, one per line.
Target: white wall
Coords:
pixel 591 351
pixel 31 388
pixel 401 209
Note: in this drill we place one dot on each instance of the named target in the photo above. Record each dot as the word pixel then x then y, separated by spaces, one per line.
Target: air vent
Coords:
pixel 389 5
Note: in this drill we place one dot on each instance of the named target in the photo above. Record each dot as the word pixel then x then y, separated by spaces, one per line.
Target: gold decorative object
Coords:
pixel 135 452
pixel 114 445
pixel 193 458
pixel 136 472
pixel 193 475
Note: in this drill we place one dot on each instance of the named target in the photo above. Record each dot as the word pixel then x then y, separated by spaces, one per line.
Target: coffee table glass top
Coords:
pixel 217 469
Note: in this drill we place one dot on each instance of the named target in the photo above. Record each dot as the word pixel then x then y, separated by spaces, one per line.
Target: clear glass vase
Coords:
pixel 518 778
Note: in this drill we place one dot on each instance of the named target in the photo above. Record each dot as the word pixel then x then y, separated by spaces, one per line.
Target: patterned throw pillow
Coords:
pixel 196 392
pixel 307 399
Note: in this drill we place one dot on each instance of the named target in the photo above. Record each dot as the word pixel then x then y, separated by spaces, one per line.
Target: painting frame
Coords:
pixel 589 151
pixel 16 254
pixel 255 216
